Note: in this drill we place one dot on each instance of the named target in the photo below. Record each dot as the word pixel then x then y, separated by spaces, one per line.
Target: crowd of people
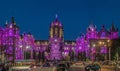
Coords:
pixel 4 68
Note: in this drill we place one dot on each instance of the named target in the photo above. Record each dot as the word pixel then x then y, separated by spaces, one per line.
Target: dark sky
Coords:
pixel 35 16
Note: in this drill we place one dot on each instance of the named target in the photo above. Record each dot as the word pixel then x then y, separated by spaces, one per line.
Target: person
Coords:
pixel 0 68
pixel 3 68
pixel 7 68
pixel 68 64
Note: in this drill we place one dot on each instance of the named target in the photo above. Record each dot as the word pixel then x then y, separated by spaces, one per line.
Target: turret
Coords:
pixel 103 33
pixel 113 32
pixel 56 29
pixel 91 31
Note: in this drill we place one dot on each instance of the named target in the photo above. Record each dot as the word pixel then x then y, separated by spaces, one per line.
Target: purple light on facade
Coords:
pixel 10 38
pixel 103 50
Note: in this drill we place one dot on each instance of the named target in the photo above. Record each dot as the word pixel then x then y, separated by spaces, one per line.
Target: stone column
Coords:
pixel 105 56
pixel 109 53
pixel 31 55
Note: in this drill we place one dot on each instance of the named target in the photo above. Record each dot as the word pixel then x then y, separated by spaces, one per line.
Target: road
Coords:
pixel 82 67
pixel 107 68
pixel 103 68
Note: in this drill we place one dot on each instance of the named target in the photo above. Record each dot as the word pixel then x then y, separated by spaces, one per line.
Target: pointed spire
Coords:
pixel 91 21
pixel 56 16
pixel 92 27
pixel 91 24
pixel 103 26
pixel 13 20
pixel 6 22
pixel 113 27
pixel 113 24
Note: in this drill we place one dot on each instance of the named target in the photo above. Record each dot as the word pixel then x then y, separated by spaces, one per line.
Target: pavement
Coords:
pixel 107 68
pixel 103 68
pixel 82 67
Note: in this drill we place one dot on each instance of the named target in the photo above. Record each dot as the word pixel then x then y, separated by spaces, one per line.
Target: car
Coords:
pixel 61 67
pixel 68 65
pixel 93 67
pixel 19 68
pixel 77 66
pixel 96 67
pixel 88 67
pixel 48 67
pixel 35 66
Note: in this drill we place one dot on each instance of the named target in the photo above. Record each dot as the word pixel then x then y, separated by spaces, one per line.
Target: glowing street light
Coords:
pixel 108 40
pixel 100 42
pixel 88 45
pixel 20 46
pixel 55 40
pixel 27 47
pixel 79 48
pixel 94 45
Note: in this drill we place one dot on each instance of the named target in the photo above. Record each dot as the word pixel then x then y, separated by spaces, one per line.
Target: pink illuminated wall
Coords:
pixel 55 47
pixel 83 41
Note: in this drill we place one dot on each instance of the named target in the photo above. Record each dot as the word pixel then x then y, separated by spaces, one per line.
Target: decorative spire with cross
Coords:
pixel 113 27
pixel 13 20
pixel 56 16
pixel 6 22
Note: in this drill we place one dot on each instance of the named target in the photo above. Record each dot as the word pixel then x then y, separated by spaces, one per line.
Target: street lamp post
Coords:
pixel 109 53
pixel 109 48
pixel 26 53
pixel 117 55
pixel 1 55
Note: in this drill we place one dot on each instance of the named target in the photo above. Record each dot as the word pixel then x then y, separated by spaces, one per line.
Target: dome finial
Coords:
pixel 56 16
pixel 13 20
pixel 6 22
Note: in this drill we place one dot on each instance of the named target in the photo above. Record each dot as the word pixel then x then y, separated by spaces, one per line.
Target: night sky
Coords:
pixel 35 16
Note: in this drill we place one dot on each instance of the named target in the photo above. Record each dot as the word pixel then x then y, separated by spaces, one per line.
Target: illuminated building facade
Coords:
pixel 96 45
pixel 93 46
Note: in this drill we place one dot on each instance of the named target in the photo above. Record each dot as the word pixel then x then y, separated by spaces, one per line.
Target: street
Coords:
pixel 104 68
pixel 77 66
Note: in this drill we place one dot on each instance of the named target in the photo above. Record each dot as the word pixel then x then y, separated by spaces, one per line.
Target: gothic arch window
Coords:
pixel 51 32
pixel 56 31
pixel 10 32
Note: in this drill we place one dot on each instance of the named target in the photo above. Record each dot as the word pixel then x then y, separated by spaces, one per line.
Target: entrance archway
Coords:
pixel 100 57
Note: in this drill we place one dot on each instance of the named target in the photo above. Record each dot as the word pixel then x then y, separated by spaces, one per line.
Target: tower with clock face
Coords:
pixel 56 40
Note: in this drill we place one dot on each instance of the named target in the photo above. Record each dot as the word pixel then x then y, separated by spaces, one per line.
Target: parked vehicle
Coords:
pixel 35 66
pixel 61 67
pixel 88 67
pixel 48 67
pixel 93 67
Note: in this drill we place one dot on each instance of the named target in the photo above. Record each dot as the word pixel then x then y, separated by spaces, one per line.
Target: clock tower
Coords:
pixel 56 40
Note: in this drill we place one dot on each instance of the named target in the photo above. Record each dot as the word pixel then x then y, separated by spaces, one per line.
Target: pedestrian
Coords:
pixel 3 68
